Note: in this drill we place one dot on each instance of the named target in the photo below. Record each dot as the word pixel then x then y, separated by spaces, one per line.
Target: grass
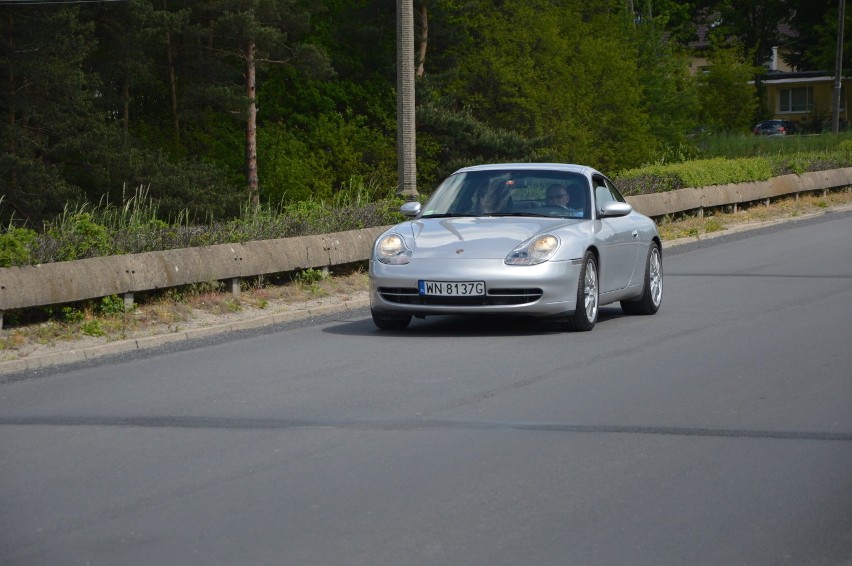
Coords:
pixel 133 226
pixel 732 146
pixel 32 331
pixel 695 225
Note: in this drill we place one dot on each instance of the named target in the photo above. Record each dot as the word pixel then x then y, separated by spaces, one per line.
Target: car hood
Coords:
pixel 477 238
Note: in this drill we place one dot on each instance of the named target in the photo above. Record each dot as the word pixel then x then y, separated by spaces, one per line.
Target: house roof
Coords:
pixel 780 78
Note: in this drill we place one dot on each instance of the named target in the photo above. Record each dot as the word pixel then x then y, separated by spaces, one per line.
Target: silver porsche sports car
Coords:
pixel 535 239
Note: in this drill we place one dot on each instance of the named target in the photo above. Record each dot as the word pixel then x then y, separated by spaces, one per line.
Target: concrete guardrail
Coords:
pixel 70 281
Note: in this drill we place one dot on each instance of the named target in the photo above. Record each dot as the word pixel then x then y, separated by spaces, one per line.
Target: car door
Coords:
pixel 618 239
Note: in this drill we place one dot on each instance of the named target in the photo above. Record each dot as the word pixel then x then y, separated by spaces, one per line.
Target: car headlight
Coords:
pixel 534 251
pixel 391 249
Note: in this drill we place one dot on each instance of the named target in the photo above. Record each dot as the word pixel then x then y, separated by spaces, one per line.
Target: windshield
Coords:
pixel 511 193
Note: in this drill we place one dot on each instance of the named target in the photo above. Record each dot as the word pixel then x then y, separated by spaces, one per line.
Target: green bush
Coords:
pixel 720 171
pixel 80 236
pixel 309 277
pixel 16 246
pixel 112 305
pixel 66 314
pixel 92 328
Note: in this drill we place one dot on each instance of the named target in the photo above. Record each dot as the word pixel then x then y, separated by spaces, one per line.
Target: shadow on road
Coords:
pixel 451 326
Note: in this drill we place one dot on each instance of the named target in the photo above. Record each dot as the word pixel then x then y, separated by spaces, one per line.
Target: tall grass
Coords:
pixel 732 146
pixel 730 158
pixel 134 225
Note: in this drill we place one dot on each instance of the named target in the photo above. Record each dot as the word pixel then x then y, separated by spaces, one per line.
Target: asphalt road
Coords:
pixel 717 432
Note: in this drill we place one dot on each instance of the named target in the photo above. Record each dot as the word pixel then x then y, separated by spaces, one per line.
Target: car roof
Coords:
pixel 569 167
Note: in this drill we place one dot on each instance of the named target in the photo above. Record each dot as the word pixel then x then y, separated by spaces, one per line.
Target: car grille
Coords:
pixel 411 296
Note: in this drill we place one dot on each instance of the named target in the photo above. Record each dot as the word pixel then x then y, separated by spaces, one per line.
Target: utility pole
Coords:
pixel 406 137
pixel 838 67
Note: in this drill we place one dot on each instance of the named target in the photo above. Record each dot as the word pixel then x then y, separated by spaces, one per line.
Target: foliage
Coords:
pixel 739 145
pixel 719 171
pixel 309 280
pixel 81 236
pixel 451 139
pixel 728 101
pixel 753 23
pixel 670 93
pixel 66 314
pixel 316 164
pixel 102 96
pixel 648 180
pixel 815 22
pixel 110 306
pixel 16 246
pixel 92 328
pixel 589 105
pixel 46 106
pixel 309 276
pixel 61 146
pixel 134 225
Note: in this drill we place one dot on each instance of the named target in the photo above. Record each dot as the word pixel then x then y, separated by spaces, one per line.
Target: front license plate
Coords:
pixel 452 288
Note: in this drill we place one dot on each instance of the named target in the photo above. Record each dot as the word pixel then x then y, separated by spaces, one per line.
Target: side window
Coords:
pixel 602 193
pixel 615 194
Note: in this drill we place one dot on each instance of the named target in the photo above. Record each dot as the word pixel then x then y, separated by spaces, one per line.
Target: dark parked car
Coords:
pixel 775 128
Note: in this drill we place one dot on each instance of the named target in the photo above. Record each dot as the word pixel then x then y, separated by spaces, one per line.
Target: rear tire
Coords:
pixel 586 313
pixel 652 295
pixel 389 321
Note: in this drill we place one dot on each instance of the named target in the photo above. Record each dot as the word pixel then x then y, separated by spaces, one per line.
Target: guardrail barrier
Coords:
pixel 71 281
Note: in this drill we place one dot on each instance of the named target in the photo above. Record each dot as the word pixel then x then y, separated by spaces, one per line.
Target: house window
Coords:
pixel 797 99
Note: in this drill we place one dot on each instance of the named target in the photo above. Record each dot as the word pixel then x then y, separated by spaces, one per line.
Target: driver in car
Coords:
pixel 557 195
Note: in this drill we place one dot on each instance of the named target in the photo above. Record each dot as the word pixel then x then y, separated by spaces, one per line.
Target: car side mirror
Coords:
pixel 410 209
pixel 614 209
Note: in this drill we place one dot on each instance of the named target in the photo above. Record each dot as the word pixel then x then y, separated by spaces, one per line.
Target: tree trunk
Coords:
pixel 9 43
pixel 125 104
pixel 173 88
pixel 12 149
pixel 424 40
pixel 251 128
pixel 172 81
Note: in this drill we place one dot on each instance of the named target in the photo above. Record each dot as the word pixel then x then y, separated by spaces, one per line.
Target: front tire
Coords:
pixel 586 313
pixel 652 295
pixel 389 321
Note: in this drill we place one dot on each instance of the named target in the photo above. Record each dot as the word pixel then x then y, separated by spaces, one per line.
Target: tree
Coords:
pixel 754 23
pixel 48 116
pixel 562 70
pixel 816 45
pixel 669 97
pixel 728 101
pixel 248 34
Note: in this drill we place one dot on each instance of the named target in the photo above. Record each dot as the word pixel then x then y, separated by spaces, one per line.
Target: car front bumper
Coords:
pixel 547 289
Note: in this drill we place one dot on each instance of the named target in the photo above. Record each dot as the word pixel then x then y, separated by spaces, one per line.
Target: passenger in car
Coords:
pixel 493 197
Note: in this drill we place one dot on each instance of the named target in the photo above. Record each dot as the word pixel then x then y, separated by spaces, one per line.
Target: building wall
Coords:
pixel 816 118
